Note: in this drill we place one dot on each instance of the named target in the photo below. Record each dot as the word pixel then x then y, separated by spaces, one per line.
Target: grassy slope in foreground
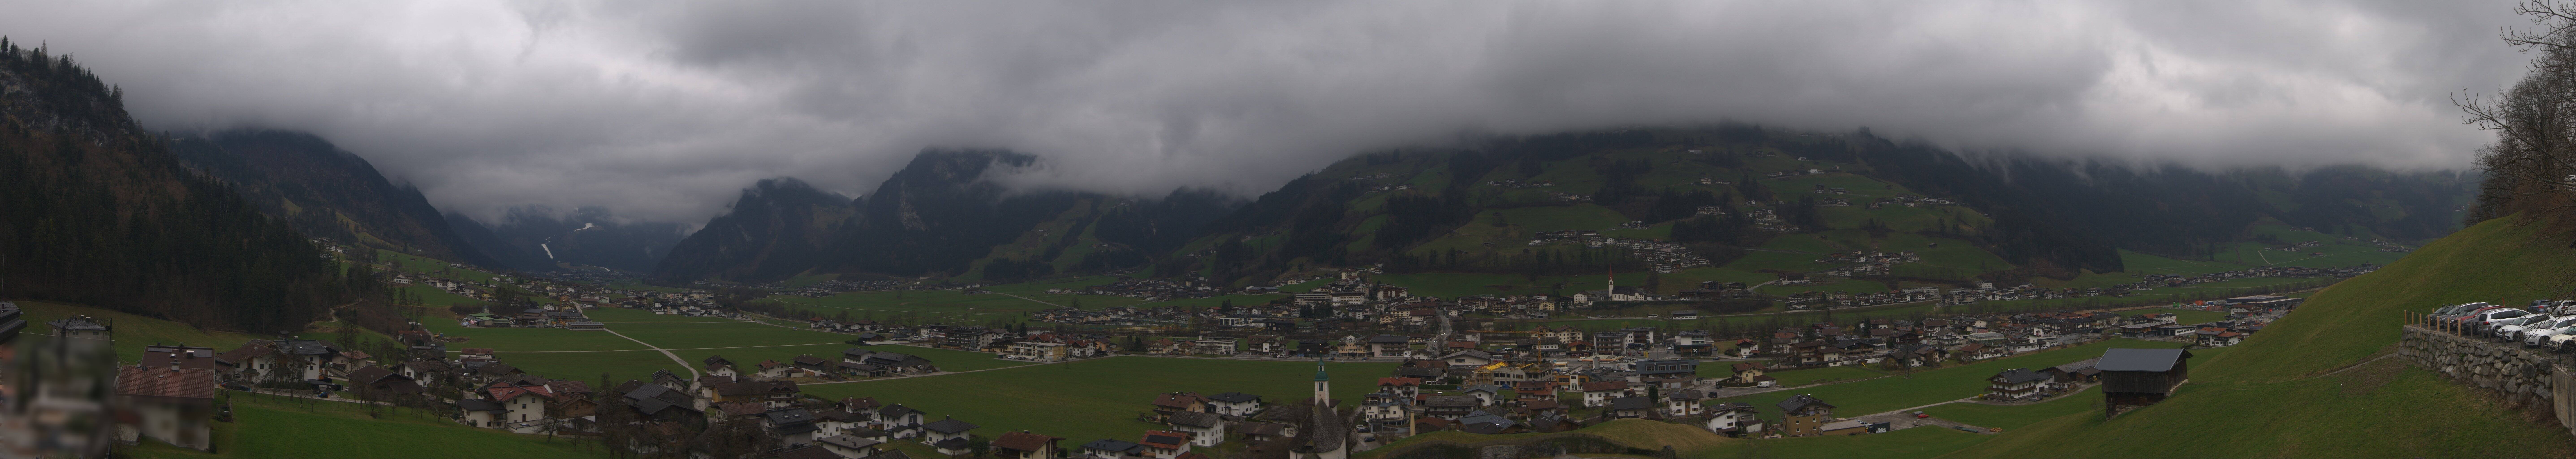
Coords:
pixel 277 427
pixel 1633 433
pixel 2254 401
pixel 1093 399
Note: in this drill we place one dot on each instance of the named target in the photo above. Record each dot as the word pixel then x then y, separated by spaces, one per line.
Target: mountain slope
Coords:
pixel 324 191
pixel 586 236
pixel 943 216
pixel 95 210
pixel 777 229
pixel 1743 192
pixel 2266 397
pixel 939 214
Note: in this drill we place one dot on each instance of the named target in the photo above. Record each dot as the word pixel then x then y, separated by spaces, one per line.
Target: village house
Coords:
pixel 1404 388
pixel 1390 346
pixel 849 446
pixel 1025 445
pixel 1599 393
pixel 1164 444
pixel 2015 385
pixel 948 434
pixel 1234 404
pixel 1205 429
pixel 1806 415
pixel 1450 407
pixel 899 421
pixel 2075 372
pixel 1168 403
pixel 169 401
pixel 771 394
pixel 792 427
pixel 1111 449
pixel 2140 377
pixel 1629 408
pixel 1040 352
pixel 1735 419
pixel 1684 403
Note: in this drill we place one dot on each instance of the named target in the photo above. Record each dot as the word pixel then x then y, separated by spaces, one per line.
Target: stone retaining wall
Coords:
pixel 2521 375
pixel 2506 368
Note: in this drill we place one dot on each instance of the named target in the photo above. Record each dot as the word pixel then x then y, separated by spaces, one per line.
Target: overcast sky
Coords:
pixel 662 111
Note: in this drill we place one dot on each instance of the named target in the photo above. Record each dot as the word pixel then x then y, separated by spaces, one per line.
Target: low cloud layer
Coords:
pixel 661 111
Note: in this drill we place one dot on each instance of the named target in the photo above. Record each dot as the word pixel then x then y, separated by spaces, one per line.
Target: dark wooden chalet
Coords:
pixel 2140 377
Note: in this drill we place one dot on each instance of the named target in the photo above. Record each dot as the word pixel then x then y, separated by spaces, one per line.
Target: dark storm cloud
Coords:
pixel 661 110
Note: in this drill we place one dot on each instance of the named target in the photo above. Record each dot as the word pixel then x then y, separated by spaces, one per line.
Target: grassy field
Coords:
pixel 532 339
pixel 946 359
pixel 434 297
pixel 1794 378
pixel 1093 399
pixel 587 366
pixel 1924 387
pixel 2368 310
pixel 274 427
pixel 1908 443
pixel 430 266
pixel 133 332
pixel 624 316
pixel 1632 433
pixel 722 334
pixel 2014 417
pixel 2265 397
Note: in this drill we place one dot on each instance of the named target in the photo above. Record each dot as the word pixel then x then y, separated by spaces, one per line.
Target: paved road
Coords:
pixel 1904 419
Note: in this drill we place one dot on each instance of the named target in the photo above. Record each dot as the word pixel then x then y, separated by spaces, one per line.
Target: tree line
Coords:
pixel 95 210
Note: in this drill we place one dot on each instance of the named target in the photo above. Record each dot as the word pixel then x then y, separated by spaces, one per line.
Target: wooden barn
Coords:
pixel 2140 377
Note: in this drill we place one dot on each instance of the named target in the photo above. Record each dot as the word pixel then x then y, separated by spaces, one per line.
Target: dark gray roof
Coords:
pixel 1453 400
pixel 476 404
pixel 1114 445
pixel 1631 403
pixel 849 441
pixel 2148 360
pixel 896 410
pixel 790 415
pixel 1197 419
pixel 1801 401
pixel 950 425
pixel 2020 375
pixel 2086 364
pixel 1389 339
pixel 1235 397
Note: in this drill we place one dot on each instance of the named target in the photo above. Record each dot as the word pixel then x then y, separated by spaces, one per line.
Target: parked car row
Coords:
pixel 2543 323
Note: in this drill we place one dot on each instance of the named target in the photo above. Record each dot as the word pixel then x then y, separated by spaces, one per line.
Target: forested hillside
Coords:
pixel 1742 203
pixel 97 210
pixel 1730 190
pixel 940 215
pixel 324 191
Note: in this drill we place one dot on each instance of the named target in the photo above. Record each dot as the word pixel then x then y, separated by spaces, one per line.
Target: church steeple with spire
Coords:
pixel 1323 385
pixel 1323 434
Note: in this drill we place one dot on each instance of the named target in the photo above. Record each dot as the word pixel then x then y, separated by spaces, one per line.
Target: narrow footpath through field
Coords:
pixel 675 358
pixel 674 349
pixel 1030 299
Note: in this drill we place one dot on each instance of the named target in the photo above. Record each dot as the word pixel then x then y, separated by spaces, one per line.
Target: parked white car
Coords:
pixel 2560 339
pixel 2540 335
pixel 2511 329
